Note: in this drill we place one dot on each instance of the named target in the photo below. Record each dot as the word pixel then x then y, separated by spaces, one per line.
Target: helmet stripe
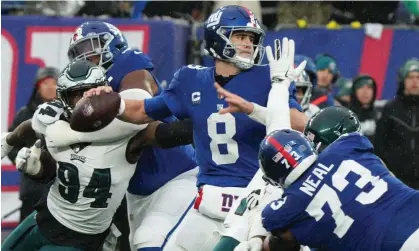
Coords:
pixel 251 16
pixel 284 153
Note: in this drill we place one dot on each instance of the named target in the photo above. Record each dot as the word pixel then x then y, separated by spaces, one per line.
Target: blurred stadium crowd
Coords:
pixel 271 13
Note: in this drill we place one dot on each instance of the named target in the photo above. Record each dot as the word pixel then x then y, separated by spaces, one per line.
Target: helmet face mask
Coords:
pixel 92 47
pixel 232 53
pixel 304 84
pixel 75 79
pixel 98 42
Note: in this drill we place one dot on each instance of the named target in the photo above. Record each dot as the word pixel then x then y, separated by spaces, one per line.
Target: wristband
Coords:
pixel 121 107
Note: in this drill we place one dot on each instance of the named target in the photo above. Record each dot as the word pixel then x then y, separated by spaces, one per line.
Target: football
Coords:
pixel 95 112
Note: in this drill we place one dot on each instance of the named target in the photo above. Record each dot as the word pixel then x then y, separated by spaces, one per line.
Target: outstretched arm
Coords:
pixel 18 138
pixel 163 135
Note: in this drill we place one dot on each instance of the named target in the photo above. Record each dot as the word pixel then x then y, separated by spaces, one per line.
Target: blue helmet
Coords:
pixel 97 38
pixel 284 155
pixel 310 67
pixel 219 29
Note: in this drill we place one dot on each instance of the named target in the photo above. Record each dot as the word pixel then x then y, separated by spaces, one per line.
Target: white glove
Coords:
pixel 5 148
pixel 281 62
pixel 254 244
pixel 253 199
pixel 27 159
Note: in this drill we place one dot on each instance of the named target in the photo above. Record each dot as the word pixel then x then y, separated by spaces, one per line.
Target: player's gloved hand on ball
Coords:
pixel 254 244
pixel 281 61
pixel 27 159
pixel 5 148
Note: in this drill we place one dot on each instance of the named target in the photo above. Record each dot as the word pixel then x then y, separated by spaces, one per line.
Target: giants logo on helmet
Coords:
pixel 77 35
pixel 214 19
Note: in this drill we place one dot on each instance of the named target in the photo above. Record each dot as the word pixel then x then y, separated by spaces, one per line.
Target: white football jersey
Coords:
pixel 90 184
pixel 91 179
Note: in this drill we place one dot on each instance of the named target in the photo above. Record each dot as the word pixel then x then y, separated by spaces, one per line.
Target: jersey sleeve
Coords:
pixel 174 96
pixel 281 213
pixel 45 115
pixel 293 103
pixel 129 61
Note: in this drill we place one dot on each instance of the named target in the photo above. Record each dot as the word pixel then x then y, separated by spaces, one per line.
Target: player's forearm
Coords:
pixel 23 133
pixel 164 135
pixel 134 112
pixel 174 134
pixel 278 112
pixel 298 120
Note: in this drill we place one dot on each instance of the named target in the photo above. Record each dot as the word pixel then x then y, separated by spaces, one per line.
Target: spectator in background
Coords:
pixel 314 12
pixel 53 8
pixel 327 74
pixel 12 8
pixel 383 12
pixel 105 9
pixel 310 67
pixel 44 90
pixel 344 90
pixel 363 95
pixel 397 134
pixel 188 10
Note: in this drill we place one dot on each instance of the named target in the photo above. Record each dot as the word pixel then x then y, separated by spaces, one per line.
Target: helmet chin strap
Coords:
pixel 245 63
pixel 242 63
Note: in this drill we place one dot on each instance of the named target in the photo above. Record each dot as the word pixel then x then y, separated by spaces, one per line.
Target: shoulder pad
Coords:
pixel 190 71
pixel 46 114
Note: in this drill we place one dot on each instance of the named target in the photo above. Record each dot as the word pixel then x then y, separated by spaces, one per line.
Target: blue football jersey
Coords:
pixel 344 201
pixel 226 145
pixel 156 166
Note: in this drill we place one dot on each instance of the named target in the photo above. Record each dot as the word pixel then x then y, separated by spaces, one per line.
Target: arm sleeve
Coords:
pixel 20 117
pixel 174 134
pixel 156 108
pixel 278 112
pixel 174 96
pixel 260 113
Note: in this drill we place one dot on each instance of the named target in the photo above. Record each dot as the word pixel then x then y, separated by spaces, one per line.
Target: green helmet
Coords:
pixel 329 124
pixel 77 77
